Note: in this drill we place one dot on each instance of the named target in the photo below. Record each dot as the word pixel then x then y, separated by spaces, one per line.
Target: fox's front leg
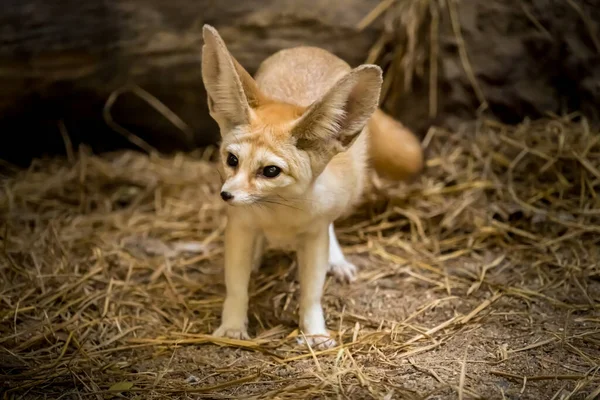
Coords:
pixel 313 263
pixel 240 242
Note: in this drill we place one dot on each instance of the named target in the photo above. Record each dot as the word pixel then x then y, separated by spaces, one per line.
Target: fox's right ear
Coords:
pixel 232 93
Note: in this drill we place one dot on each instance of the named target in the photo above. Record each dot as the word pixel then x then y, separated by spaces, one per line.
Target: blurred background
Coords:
pixel 115 74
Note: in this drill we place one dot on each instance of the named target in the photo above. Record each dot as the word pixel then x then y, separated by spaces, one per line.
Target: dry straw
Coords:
pixel 111 277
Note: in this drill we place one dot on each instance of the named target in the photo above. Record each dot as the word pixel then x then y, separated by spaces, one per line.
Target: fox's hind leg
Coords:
pixel 259 251
pixel 341 268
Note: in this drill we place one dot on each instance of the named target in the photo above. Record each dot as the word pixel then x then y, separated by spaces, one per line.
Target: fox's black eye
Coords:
pixel 271 171
pixel 232 160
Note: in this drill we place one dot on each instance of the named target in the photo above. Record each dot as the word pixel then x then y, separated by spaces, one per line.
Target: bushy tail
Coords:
pixel 395 151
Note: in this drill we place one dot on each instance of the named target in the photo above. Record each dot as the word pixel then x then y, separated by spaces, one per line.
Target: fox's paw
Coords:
pixel 318 342
pixel 343 270
pixel 232 332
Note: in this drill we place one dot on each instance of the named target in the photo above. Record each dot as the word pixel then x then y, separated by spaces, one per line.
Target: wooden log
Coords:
pixel 62 60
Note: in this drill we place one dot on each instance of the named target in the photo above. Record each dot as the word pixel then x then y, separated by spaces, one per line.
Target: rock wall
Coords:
pixel 529 58
pixel 60 62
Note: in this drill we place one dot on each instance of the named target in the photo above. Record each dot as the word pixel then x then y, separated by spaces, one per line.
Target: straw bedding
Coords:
pixel 479 280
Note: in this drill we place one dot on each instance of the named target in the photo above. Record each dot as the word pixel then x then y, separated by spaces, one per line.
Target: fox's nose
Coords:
pixel 226 196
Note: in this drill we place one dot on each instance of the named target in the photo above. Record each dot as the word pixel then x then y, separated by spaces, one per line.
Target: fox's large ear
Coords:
pixel 331 124
pixel 232 93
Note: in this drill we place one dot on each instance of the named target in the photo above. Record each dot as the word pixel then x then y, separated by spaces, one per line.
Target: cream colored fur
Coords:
pixel 306 112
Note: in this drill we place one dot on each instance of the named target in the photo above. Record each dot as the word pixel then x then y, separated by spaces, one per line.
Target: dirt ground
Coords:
pixel 478 281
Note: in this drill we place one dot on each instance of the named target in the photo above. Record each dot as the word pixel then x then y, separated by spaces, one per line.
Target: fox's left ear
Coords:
pixel 232 92
pixel 331 124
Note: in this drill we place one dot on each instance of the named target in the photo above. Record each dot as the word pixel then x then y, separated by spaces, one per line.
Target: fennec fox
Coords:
pixel 296 143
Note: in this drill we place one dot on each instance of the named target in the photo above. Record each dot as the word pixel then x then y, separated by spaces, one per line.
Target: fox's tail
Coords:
pixel 395 151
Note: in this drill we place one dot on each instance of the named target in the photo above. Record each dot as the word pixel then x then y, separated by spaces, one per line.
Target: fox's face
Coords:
pixel 260 161
pixel 271 152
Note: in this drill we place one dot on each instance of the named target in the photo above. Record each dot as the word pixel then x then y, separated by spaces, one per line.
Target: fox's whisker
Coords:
pixel 220 176
pixel 280 204
pixel 296 199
